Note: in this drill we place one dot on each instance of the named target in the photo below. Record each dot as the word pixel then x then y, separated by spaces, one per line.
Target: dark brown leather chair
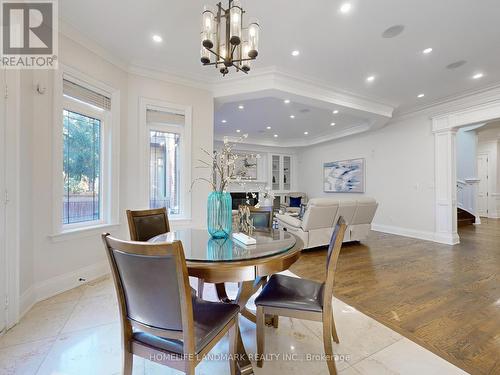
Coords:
pixel 303 299
pixel 160 319
pixel 145 224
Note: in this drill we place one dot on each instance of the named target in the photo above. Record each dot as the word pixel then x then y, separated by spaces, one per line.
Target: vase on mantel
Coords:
pixel 219 214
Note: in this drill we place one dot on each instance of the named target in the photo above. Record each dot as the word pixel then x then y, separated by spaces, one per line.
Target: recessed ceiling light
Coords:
pixel 157 38
pixel 292 116
pixel 393 31
pixel 295 53
pixel 335 112
pixel 345 8
pixel 223 121
pixel 478 75
pixel 306 133
pixel 238 131
pixel 427 51
pixel 268 127
pixel 286 101
pixel 332 124
pixel 370 79
pixel 275 136
pixel 420 95
pixel 241 106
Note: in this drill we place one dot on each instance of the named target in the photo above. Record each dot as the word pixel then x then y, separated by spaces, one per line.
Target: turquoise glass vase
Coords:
pixel 219 214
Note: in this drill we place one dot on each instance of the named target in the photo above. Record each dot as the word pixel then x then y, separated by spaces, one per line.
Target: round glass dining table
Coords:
pixel 227 260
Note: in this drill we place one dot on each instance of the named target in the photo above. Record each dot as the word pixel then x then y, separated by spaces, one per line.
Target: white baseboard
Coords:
pixel 27 300
pixel 59 284
pixel 419 234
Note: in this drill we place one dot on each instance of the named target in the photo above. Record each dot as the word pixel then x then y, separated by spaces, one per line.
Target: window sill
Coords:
pixel 82 232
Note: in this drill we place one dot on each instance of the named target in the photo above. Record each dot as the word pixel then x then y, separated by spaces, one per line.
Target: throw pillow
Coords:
pixel 302 211
pixel 295 201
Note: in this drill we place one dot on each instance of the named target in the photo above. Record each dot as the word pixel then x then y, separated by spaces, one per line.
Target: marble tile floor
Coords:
pixel 77 333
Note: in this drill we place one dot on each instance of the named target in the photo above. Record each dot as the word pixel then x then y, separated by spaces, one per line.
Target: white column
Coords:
pixel 446 189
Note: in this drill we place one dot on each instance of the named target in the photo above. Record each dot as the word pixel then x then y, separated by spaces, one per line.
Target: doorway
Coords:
pixel 3 203
pixel 482 193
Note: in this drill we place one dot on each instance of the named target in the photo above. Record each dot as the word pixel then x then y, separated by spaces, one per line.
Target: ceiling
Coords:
pixel 268 109
pixel 337 50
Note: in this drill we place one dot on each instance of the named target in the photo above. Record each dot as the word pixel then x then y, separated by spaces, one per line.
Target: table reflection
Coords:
pixel 200 246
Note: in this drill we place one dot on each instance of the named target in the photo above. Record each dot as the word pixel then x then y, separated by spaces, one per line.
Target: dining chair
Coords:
pixel 303 299
pixel 145 224
pixel 262 218
pixel 160 319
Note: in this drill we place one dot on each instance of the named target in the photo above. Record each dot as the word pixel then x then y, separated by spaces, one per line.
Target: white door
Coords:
pixel 3 253
pixel 482 197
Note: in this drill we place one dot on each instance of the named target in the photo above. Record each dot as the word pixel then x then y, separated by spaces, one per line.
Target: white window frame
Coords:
pixel 110 151
pixel 146 104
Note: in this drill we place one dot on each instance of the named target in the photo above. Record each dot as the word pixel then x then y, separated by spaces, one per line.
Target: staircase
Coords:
pixel 464 218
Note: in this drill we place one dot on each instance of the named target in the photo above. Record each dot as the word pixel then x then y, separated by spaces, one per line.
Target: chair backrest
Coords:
pixel 152 285
pixel 365 211
pixel 320 213
pixel 145 224
pixel 332 259
pixel 262 218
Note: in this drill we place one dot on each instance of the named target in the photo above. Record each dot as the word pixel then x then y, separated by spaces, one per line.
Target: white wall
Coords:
pixel 51 264
pixel 399 173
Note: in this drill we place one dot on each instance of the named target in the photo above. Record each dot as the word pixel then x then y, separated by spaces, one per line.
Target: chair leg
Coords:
pixel 233 346
pixel 327 343
pixel 190 368
pixel 334 331
pixel 261 317
pixel 201 286
pixel 128 362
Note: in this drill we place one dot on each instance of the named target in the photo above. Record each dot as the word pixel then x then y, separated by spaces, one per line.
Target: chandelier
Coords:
pixel 224 41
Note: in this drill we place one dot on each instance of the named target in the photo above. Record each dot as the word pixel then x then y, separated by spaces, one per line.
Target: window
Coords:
pixel 81 168
pixel 165 149
pixel 85 113
pixel 164 171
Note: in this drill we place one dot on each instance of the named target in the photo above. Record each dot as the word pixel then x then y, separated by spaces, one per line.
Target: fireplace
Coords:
pixel 241 199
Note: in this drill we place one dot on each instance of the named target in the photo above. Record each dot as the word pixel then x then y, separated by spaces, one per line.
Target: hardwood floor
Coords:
pixel 445 298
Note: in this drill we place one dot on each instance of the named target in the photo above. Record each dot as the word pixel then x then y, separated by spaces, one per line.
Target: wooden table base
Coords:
pixel 246 289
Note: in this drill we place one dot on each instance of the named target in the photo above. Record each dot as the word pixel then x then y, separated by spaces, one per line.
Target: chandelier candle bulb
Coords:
pixel 235 16
pixel 205 53
pixel 253 35
pixel 208 28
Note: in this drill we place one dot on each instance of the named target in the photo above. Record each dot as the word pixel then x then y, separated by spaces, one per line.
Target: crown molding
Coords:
pixel 78 37
pixel 453 103
pixel 170 77
pixel 301 143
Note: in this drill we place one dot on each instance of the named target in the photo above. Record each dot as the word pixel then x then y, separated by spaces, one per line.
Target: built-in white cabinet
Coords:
pixel 281 173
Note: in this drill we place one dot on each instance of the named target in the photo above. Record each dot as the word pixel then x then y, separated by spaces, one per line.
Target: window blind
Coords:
pixel 78 92
pixel 153 116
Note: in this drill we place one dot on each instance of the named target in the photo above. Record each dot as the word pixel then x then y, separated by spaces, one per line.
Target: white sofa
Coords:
pixel 316 227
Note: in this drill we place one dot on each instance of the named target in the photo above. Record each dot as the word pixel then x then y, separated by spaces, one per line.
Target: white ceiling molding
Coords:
pixel 301 143
pixel 285 81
